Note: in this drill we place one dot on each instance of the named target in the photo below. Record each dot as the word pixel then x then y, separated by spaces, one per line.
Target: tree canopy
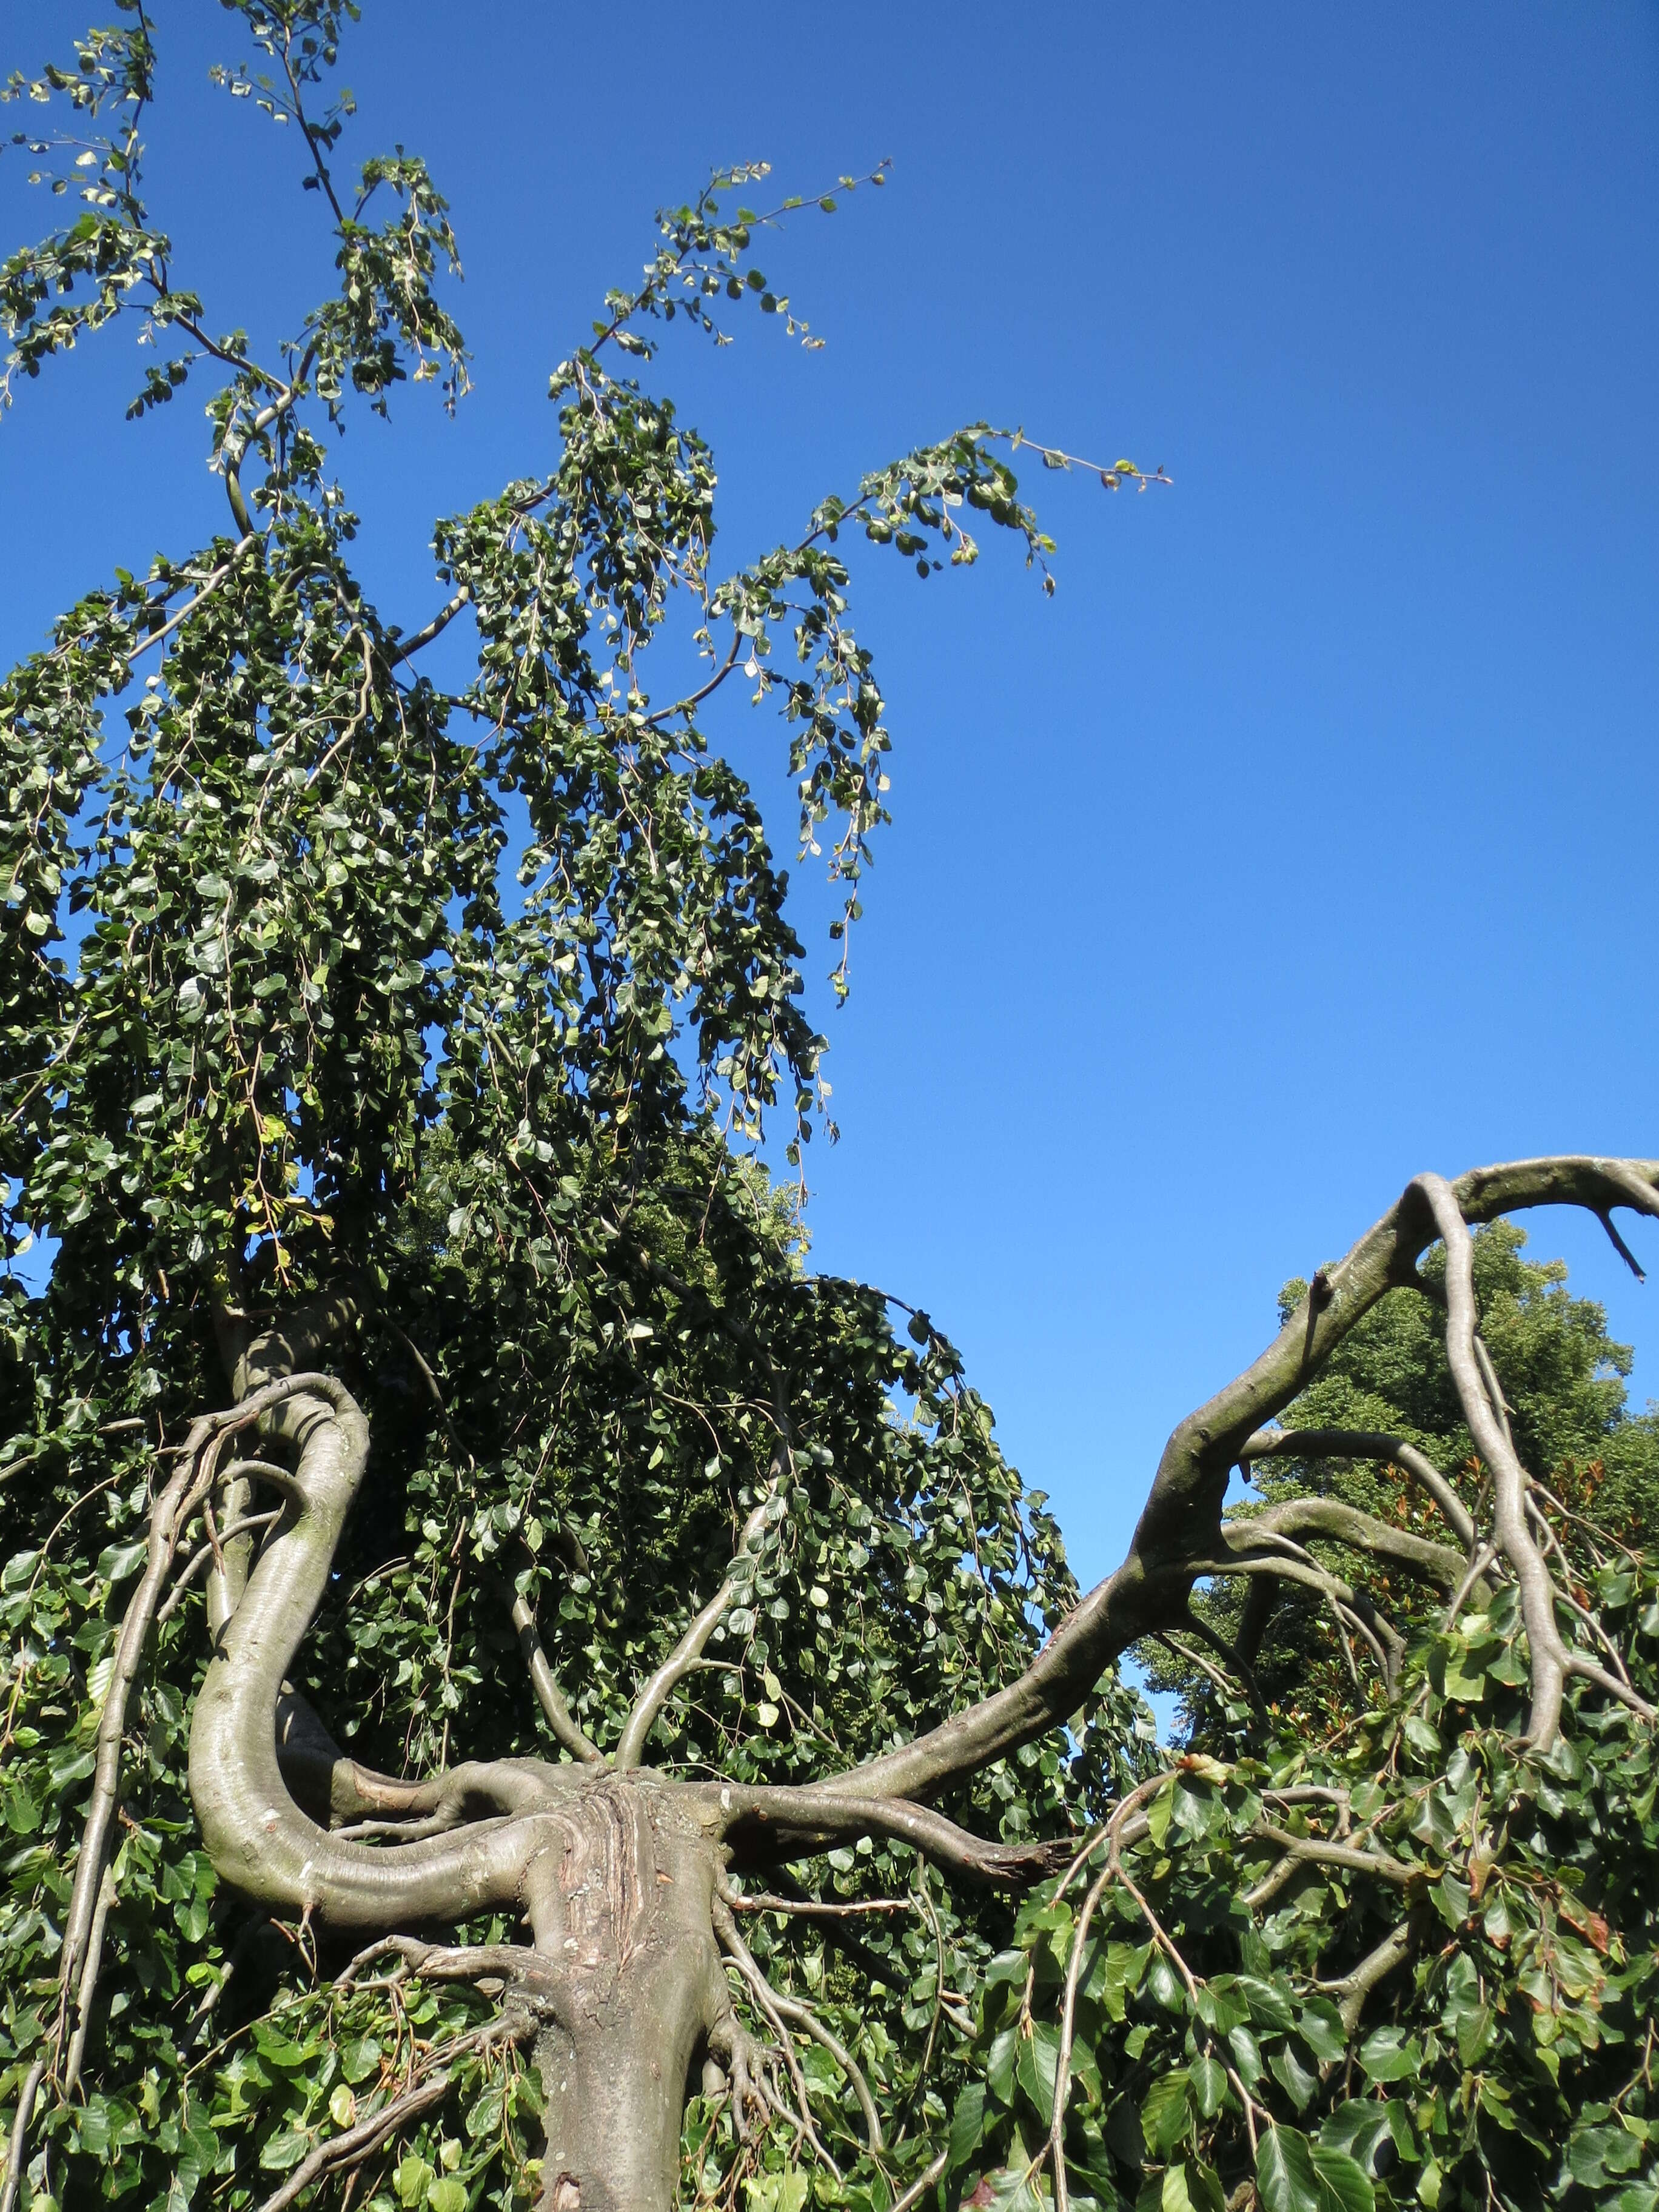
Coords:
pixel 522 1691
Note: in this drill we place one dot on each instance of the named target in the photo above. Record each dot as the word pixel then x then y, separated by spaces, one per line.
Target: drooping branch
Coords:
pixel 1365 1444
pixel 1553 1658
pixel 804 2017
pixel 1436 1563
pixel 766 2000
pixel 1181 1518
pixel 83 1922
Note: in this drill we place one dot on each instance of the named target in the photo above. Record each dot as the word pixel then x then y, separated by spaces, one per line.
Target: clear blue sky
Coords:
pixel 1305 839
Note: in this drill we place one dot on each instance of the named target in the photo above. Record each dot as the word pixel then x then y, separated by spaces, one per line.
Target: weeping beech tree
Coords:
pixel 520 1690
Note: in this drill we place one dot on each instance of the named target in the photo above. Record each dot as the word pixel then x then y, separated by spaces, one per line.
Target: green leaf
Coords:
pixel 1036 2064
pixel 283 2149
pixel 1293 2175
pixel 1299 2085
pixel 1344 2186
pixel 411 2180
pixel 1474 2030
pixel 1209 2080
pixel 1321 2028
pixel 1390 2054
pixel 999 2066
pixel 967 2124
pixel 359 2056
pixel 1284 2177
pixel 121 1560
pixel 1166 2113
pixel 783 2191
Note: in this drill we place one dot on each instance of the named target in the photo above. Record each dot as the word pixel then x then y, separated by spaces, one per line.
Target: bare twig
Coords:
pixel 357 2143
pixel 766 1997
pixel 209 585
pixel 811 1909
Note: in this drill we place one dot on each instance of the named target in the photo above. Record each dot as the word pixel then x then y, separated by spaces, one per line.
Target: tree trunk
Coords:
pixel 636 1992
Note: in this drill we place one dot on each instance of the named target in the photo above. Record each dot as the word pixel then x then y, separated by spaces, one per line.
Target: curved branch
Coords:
pixel 1483 1409
pixel 923 2182
pixel 19 2132
pixel 1150 1590
pixel 256 1833
pixel 1365 1444
pixel 548 1696
pixel 696 698
pixel 782 1823
pixel 1436 1563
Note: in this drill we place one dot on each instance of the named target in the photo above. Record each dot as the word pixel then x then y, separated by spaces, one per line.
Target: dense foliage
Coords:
pixel 1510 2051
pixel 290 1010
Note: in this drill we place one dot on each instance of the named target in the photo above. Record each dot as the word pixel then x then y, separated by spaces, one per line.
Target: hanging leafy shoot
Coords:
pixel 518 1690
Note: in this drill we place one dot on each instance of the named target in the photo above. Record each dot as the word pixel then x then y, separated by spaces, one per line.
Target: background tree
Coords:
pixel 1563 1379
pixel 520 1690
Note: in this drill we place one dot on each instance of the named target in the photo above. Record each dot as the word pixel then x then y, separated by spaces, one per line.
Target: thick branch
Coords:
pixel 1183 1512
pixel 255 1834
